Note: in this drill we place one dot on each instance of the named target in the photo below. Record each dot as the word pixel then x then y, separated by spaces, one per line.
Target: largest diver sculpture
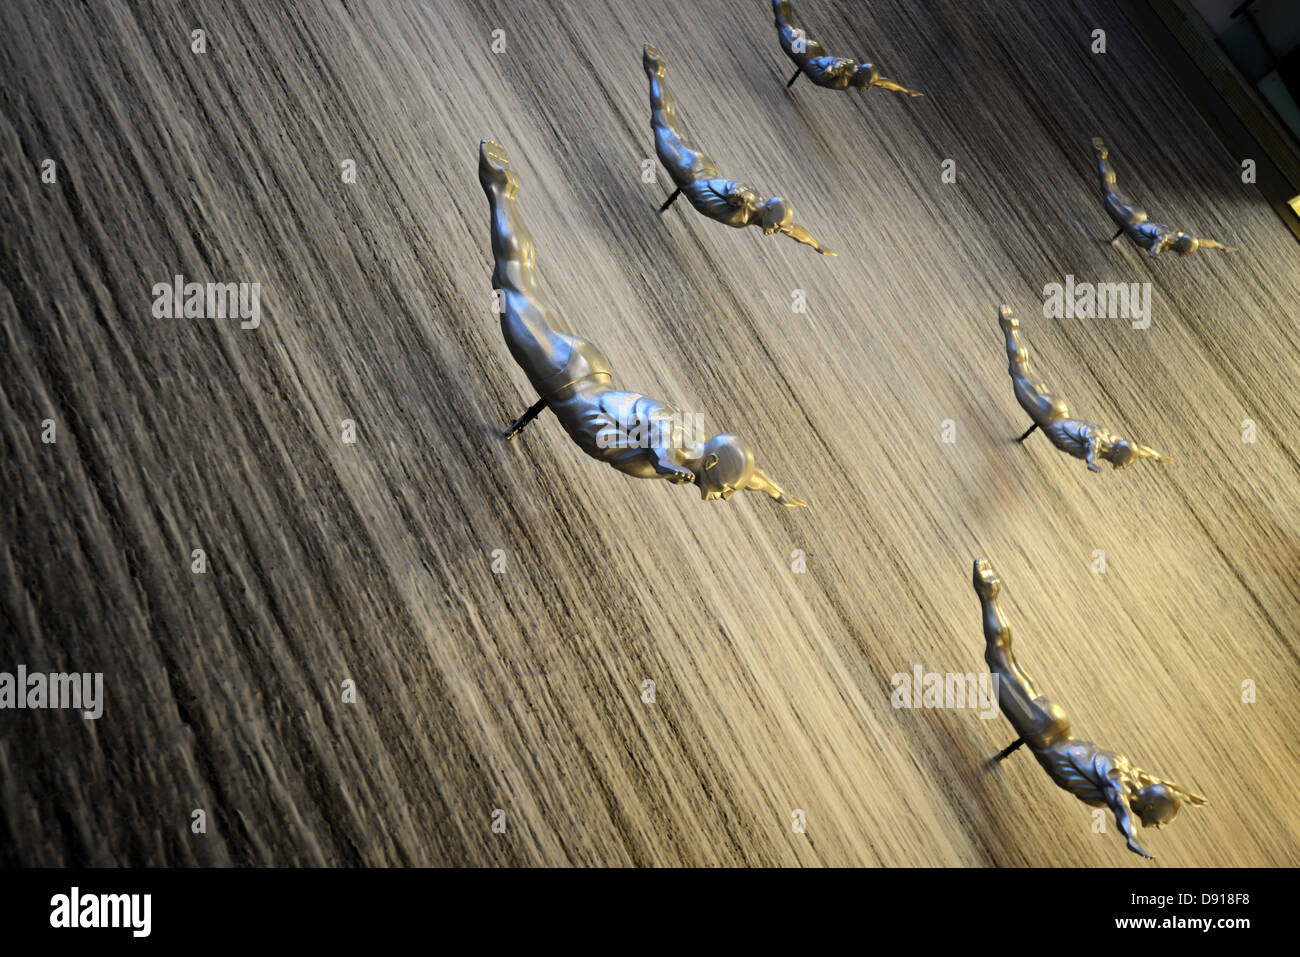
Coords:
pixel 695 177
pixel 1098 777
pixel 573 377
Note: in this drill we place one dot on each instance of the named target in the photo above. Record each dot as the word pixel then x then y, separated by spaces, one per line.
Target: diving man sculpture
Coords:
pixel 1132 220
pixel 636 434
pixel 1098 777
pixel 832 72
pixel 1050 413
pixel 695 176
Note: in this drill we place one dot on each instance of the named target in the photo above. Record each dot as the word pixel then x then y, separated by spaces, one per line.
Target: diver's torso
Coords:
pixel 1070 435
pixel 1079 767
pixel 622 428
pixel 831 72
pixel 1147 234
pixel 709 196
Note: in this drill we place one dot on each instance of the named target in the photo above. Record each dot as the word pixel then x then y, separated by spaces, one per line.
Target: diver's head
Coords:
pixel 863 76
pixel 725 466
pixel 1122 453
pixel 1184 244
pixel 774 214
pixel 1156 805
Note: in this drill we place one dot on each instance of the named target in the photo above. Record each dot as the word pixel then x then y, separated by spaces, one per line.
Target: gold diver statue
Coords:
pixel 694 174
pixel 636 434
pixel 1132 220
pixel 1098 777
pixel 832 72
pixel 1083 440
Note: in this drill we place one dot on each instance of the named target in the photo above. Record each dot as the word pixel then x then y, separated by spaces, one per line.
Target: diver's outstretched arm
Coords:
pixel 1145 779
pixel 1116 796
pixel 1090 453
pixel 759 482
pixel 896 87
pixel 801 235
pixel 1211 244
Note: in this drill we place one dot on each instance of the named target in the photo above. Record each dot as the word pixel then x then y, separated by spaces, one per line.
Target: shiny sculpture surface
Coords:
pixel 1132 220
pixel 695 176
pixel 1050 413
pixel 636 434
pixel 832 72
pixel 1098 777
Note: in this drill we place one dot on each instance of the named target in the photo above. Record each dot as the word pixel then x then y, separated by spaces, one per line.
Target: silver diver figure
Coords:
pixel 695 176
pixel 637 435
pixel 1049 412
pixel 831 72
pixel 1098 777
pixel 1132 220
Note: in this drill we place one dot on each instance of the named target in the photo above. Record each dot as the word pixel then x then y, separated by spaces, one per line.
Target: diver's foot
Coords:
pixel 650 60
pixel 493 164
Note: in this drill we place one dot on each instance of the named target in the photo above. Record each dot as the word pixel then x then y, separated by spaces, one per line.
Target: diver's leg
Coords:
pixel 793 78
pixel 538 338
pixel 1103 166
pixel 1014 689
pixel 1123 212
pixel 1030 396
pixel 683 163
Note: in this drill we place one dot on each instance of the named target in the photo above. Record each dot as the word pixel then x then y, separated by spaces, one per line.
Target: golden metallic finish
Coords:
pixel 695 176
pixel 1081 439
pixel 574 378
pixel 1098 777
pixel 1132 221
pixel 832 72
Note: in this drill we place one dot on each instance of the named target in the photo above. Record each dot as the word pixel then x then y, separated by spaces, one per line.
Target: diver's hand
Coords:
pixel 1137 848
pixel 789 501
pixel 1094 467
